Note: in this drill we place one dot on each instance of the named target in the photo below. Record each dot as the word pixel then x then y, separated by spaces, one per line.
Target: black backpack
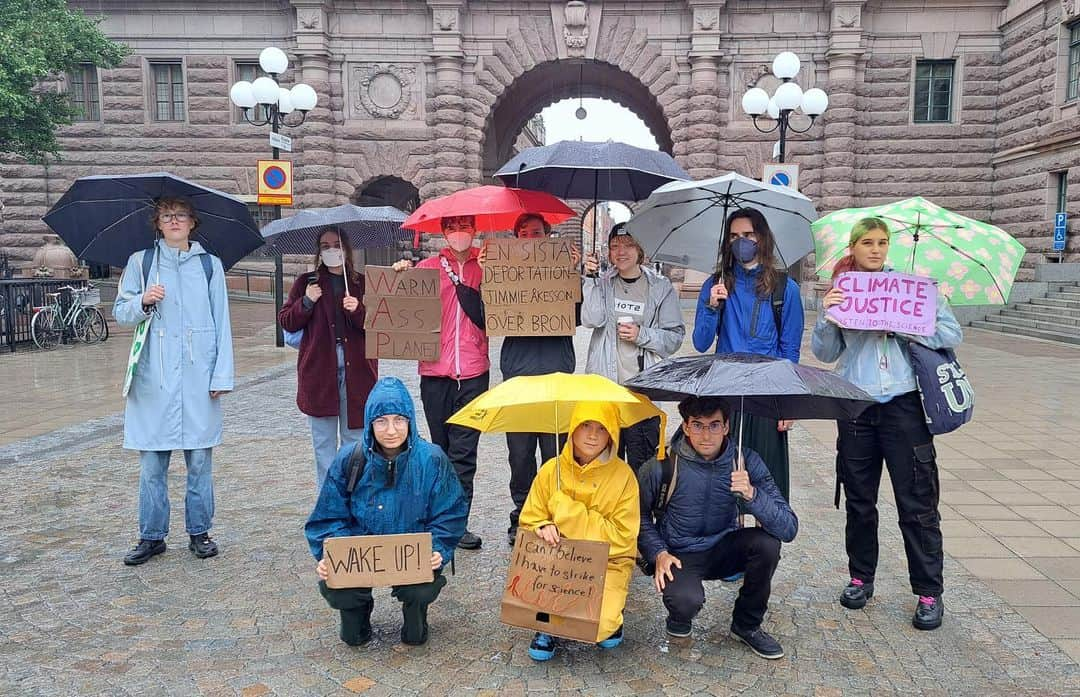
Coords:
pixel 669 469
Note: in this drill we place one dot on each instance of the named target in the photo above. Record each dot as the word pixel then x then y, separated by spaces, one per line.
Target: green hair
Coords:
pixel 866 225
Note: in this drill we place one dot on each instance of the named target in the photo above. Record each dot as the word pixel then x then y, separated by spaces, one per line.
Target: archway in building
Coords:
pixel 553 81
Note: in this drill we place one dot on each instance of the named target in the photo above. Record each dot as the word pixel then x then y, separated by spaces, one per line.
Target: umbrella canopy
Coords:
pixel 573 169
pixel 544 403
pixel 682 222
pixel 974 263
pixel 773 388
pixel 374 226
pixel 105 218
pixel 496 209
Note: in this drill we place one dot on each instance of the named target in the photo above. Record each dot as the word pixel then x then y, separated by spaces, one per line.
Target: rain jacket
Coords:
pixel 747 323
pixel 702 509
pixel 188 351
pixel 879 362
pixel 662 329
pixel 464 346
pixel 597 501
pixel 417 491
pixel 316 363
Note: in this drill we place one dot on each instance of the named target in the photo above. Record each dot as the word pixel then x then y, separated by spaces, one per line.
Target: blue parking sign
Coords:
pixel 1059 219
pixel 1060 223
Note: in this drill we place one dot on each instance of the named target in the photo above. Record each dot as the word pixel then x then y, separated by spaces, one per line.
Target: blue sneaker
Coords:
pixel 734 578
pixel 542 647
pixel 612 641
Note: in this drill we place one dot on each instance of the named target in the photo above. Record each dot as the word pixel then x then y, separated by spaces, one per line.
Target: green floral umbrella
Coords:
pixel 974 263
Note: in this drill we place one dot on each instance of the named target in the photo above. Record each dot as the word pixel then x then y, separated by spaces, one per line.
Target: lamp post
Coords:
pixel 278 103
pixel 784 103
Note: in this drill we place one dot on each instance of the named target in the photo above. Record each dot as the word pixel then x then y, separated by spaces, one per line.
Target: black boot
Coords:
pixel 356 626
pixel 202 546
pixel 856 594
pixel 928 612
pixel 143 551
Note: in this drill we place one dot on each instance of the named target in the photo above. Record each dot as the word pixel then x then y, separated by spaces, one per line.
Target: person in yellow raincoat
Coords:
pixel 588 493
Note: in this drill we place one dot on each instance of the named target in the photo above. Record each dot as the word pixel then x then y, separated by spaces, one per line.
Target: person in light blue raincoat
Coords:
pixel 185 366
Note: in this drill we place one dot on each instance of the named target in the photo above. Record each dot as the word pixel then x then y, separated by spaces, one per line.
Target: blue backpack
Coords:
pixel 947 395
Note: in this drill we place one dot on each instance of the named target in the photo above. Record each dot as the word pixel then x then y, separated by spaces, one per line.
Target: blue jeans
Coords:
pixel 154 493
pixel 329 433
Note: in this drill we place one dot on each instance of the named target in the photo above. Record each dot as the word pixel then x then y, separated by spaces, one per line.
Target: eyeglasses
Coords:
pixel 713 427
pixel 178 217
pixel 384 422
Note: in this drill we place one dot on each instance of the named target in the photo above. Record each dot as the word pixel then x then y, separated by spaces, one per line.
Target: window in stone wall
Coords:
pixel 1072 89
pixel 933 91
pixel 250 72
pixel 168 91
pixel 1062 194
pixel 83 93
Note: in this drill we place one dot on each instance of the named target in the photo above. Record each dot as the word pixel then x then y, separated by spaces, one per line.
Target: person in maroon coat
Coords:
pixel 333 376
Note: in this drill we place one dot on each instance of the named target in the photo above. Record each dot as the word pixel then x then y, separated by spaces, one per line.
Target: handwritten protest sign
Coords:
pixel 377 561
pixel 530 288
pixel 557 590
pixel 886 301
pixel 403 313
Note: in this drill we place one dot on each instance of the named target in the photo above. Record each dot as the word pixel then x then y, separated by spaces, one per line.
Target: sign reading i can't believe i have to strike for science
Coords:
pixel 886 301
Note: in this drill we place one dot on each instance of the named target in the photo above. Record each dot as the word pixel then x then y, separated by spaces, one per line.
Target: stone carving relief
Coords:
pixel 1069 10
pixel 706 20
pixel 445 20
pixel 310 19
pixel 384 91
pixel 576 29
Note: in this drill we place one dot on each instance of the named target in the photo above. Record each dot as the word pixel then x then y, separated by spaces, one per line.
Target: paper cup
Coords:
pixel 626 320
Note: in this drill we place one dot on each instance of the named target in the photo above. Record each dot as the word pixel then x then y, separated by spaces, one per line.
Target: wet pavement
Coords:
pixel 74 620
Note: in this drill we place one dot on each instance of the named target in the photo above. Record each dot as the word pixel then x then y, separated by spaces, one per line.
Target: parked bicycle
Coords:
pixel 81 318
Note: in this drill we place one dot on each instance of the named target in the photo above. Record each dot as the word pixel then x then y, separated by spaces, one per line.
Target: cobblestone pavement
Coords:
pixel 74 620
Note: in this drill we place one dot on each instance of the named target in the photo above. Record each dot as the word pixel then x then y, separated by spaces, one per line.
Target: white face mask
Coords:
pixel 332 256
pixel 459 241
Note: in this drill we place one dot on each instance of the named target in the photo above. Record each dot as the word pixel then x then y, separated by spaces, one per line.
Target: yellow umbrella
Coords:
pixel 544 403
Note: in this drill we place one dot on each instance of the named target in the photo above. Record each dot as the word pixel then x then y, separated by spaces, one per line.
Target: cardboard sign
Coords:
pixel 377 561
pixel 886 301
pixel 555 590
pixel 403 313
pixel 530 288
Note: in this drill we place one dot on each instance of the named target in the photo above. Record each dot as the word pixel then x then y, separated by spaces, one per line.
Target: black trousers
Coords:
pixel 752 551
pixel 442 397
pixel 896 433
pixel 522 447
pixel 761 436
pixel 356 604
pixel 638 443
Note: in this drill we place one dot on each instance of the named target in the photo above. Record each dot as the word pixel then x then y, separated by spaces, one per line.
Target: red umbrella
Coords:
pixel 496 209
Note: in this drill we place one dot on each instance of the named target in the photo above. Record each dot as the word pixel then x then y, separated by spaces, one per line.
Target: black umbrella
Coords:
pixel 105 218
pixel 773 388
pixel 574 169
pixel 371 226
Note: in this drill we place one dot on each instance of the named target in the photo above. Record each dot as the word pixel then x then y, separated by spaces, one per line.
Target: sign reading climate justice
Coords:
pixel 530 288
pixel 402 313
pixel 886 301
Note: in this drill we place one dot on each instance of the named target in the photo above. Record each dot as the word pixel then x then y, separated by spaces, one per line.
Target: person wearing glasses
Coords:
pixel 691 531
pixel 403 484
pixel 184 368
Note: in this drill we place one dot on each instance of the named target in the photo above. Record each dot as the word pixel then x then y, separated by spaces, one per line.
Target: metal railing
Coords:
pixel 18 298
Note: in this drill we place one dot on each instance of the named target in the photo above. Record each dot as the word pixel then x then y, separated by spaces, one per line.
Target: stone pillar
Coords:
pixel 701 129
pixel 313 152
pixel 843 55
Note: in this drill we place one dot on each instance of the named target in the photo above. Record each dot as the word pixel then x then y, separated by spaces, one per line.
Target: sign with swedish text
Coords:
pixel 886 301
pixel 530 287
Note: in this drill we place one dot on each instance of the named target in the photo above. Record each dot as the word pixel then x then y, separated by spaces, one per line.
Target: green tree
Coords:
pixel 41 39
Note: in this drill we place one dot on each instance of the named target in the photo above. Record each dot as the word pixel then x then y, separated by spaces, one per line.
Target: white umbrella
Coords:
pixel 682 223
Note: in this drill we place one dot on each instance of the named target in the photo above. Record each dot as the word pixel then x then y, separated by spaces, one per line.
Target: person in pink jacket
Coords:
pixel 461 373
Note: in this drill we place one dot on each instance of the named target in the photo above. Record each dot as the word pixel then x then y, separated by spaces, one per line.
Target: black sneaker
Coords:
pixel 141 552
pixel 469 541
pixel 677 629
pixel 203 546
pixel 928 612
pixel 759 642
pixel 511 534
pixel 856 594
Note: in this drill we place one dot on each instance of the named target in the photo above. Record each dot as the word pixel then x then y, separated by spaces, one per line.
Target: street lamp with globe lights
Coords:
pixel 278 103
pixel 785 101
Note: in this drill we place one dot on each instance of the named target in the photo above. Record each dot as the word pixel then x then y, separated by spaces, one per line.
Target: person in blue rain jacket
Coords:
pixel 184 368
pixel 405 485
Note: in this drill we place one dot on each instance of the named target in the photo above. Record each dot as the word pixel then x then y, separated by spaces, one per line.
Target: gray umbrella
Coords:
pixel 366 227
pixel 683 222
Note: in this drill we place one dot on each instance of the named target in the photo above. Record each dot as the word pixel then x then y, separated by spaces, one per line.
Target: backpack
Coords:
pixel 148 261
pixel 669 469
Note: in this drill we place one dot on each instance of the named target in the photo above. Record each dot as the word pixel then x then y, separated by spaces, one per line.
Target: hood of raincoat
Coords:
pixel 607 416
pixel 389 396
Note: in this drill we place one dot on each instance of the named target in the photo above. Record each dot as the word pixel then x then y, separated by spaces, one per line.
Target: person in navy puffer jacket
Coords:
pixel 407 485
pixel 697 537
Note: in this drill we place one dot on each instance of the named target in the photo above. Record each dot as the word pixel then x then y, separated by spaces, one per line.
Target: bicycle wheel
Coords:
pixel 46 329
pixel 90 325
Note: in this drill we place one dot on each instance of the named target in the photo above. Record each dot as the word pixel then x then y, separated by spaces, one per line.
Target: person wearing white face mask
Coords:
pixel 461 372
pixel 334 376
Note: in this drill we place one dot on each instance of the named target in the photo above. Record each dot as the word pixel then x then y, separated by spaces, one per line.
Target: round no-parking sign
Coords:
pixel 275 182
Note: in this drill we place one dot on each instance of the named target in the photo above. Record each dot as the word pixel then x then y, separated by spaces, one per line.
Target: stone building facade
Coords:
pixel 418 99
